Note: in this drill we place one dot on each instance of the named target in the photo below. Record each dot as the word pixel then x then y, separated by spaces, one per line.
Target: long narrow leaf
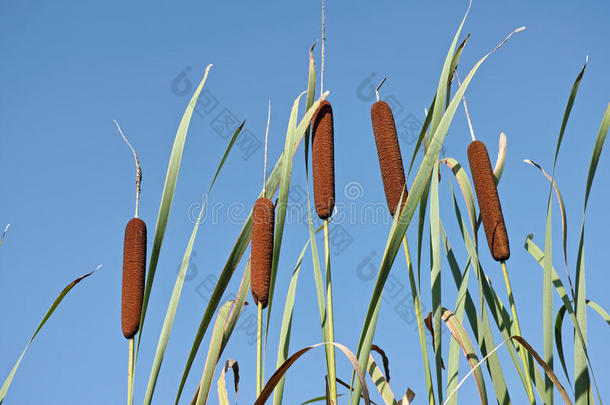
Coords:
pixel 281 371
pixel 286 328
pixel 166 199
pixel 581 374
pixel 177 291
pixel 54 305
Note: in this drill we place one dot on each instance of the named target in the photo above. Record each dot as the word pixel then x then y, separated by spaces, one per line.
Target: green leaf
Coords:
pixel 581 374
pixel 435 279
pixel 170 314
pixel 564 217
pixel 54 305
pixel 213 353
pixel 223 328
pixel 166 199
pixel 559 326
pixel 547 293
pixel 538 255
pixel 286 328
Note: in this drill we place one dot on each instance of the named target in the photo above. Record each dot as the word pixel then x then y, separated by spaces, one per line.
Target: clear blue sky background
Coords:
pixel 68 70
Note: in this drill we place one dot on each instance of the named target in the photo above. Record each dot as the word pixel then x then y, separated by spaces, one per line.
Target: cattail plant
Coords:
pixel 388 151
pixel 323 171
pixel 261 259
pixel 323 160
pixel 134 268
pixel 493 223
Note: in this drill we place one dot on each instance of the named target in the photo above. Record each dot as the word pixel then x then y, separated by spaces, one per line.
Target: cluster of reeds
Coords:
pixel 264 232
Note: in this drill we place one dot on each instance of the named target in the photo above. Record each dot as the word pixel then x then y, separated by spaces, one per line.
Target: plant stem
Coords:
pixel 332 375
pixel 522 351
pixel 420 321
pixel 259 352
pixel 130 372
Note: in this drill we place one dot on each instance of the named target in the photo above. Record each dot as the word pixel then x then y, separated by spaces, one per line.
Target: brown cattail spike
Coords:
pixel 263 220
pixel 323 160
pixel 134 267
pixel 489 202
pixel 388 151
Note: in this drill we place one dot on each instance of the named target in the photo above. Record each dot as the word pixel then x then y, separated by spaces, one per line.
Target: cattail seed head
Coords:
pixel 388 151
pixel 489 202
pixel 263 220
pixel 134 268
pixel 323 160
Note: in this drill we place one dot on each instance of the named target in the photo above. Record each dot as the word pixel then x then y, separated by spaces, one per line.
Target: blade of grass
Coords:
pixel 466 188
pixel 435 279
pixel 445 79
pixel 281 371
pixel 166 199
pixel 286 328
pixel 213 353
pixel 538 255
pixel 581 375
pixel 220 337
pixel 564 218
pixel 170 314
pixel 420 322
pixel 559 326
pixel 454 62
pixel 52 308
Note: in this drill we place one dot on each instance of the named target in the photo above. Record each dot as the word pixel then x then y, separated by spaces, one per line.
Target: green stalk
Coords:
pixel 259 352
pixel 130 372
pixel 522 351
pixel 332 374
pixel 420 322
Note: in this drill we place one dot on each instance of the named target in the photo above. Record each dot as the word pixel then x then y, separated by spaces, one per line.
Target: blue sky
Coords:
pixel 68 70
